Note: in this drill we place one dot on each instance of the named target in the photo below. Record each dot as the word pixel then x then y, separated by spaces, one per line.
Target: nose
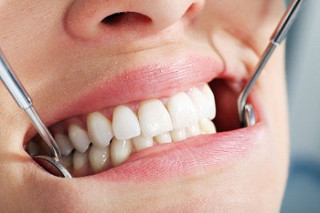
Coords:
pixel 98 19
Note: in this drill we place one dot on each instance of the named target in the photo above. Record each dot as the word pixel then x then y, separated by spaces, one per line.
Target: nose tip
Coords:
pixel 166 13
pixel 94 19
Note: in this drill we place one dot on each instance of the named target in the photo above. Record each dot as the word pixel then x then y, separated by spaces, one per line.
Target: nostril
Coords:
pixel 126 18
pixel 113 19
pixel 193 10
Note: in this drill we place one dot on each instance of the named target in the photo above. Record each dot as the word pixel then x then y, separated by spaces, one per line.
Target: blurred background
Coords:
pixel 303 77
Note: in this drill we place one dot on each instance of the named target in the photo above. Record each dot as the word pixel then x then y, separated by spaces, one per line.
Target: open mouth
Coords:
pixel 106 138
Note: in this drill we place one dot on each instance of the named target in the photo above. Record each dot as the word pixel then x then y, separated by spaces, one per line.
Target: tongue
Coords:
pixel 226 104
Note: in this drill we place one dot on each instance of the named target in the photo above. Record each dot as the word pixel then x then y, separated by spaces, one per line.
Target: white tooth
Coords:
pixel 125 124
pixel 33 148
pixel 64 143
pixel 120 151
pixel 78 138
pixel 178 135
pixel 79 161
pixel 182 111
pixel 142 142
pixel 193 130
pixel 164 138
pixel 98 158
pixel 206 90
pixel 99 129
pixel 202 104
pixel 67 161
pixel 207 126
pixel 154 118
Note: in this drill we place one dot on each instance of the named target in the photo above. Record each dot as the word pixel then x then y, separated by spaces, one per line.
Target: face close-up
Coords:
pixel 141 97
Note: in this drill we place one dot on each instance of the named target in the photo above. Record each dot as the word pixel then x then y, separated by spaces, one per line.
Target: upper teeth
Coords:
pixel 182 111
pixel 99 129
pixel 154 118
pixel 125 124
pixel 183 115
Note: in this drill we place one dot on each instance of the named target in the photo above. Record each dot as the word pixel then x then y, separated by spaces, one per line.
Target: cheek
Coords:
pixel 250 21
pixel 28 28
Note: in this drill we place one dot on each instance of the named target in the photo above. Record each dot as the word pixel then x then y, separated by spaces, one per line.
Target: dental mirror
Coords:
pixel 51 164
pixel 245 111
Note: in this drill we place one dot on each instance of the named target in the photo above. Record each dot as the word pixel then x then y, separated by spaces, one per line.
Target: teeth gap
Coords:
pixel 94 143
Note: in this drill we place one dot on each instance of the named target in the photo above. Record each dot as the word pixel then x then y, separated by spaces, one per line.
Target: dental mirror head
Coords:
pixel 246 111
pixel 50 164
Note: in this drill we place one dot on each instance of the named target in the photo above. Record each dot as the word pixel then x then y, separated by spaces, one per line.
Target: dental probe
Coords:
pixel 24 102
pixel 246 111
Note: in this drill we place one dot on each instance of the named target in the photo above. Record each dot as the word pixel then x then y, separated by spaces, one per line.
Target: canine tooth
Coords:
pixel 80 163
pixel 125 124
pixel 120 151
pixel 193 130
pixel 142 142
pixel 178 135
pixel 202 104
pixel 164 138
pixel 99 129
pixel 33 148
pixel 206 90
pixel 207 126
pixel 182 111
pixel 78 138
pixel 98 158
pixel 154 118
pixel 64 143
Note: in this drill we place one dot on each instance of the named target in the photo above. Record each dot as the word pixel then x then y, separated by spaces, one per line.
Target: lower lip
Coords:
pixel 193 156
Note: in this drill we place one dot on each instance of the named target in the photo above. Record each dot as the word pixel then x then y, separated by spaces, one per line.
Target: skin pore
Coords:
pixel 61 50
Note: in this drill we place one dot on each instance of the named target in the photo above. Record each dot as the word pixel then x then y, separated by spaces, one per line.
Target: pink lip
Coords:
pixel 191 156
pixel 153 81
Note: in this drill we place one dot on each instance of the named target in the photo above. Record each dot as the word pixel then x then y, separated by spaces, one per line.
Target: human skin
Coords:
pixel 60 50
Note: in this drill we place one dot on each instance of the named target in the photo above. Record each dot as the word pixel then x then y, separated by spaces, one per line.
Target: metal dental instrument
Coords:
pixel 245 111
pixel 51 164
